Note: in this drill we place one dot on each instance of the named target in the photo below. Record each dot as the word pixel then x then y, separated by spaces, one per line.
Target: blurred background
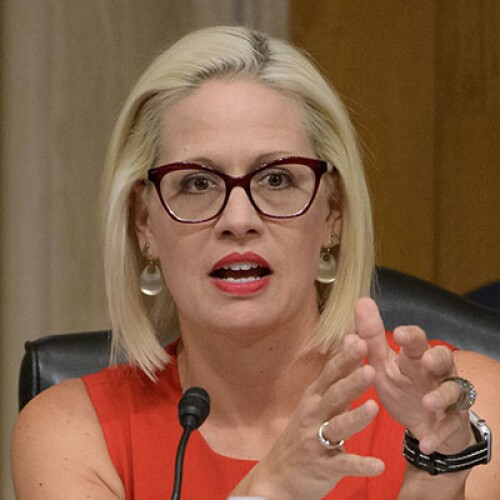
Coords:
pixel 421 78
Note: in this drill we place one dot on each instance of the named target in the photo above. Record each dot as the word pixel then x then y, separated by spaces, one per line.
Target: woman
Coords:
pixel 234 169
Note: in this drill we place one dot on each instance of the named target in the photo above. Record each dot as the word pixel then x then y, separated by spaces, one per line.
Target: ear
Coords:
pixel 140 214
pixel 333 226
pixel 333 222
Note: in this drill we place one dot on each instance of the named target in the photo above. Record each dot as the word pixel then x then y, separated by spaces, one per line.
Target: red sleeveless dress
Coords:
pixel 140 425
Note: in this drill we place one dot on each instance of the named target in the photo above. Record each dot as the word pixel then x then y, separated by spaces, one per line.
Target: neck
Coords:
pixel 249 375
pixel 255 380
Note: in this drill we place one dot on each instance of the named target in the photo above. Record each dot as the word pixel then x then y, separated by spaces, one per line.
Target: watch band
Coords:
pixel 437 463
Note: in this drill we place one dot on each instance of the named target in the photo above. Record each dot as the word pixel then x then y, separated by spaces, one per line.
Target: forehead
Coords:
pixel 233 117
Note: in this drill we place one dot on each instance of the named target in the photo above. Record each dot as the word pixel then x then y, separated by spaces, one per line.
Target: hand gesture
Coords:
pixel 412 385
pixel 299 466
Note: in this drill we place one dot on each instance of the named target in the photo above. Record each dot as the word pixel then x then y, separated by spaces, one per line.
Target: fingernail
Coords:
pixel 378 467
pixel 402 334
pixel 366 373
pixel 426 446
pixel 432 402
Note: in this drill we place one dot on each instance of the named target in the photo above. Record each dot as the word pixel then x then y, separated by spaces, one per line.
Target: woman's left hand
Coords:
pixel 411 385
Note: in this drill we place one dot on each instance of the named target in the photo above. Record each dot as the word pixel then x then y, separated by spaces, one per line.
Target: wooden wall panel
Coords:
pixel 422 81
pixel 468 142
pixel 380 59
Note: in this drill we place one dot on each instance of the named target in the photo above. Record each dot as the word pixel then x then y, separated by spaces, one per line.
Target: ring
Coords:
pixel 327 443
pixel 467 395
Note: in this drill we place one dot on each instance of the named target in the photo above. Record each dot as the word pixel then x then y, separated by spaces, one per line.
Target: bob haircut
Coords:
pixel 141 324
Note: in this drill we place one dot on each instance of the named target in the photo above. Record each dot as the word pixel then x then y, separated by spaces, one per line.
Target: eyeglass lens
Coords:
pixel 194 194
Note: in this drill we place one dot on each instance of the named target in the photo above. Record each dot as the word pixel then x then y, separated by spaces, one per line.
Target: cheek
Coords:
pixel 322 218
pixel 168 242
pixel 166 234
pixel 308 242
pixel 178 261
pixel 179 247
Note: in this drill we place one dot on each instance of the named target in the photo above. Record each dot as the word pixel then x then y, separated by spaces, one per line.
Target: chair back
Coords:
pixel 52 359
pixel 406 300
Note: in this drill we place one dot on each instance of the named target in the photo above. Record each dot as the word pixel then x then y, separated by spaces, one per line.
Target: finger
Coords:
pixel 441 398
pixel 338 397
pixel 439 361
pixel 346 464
pixel 346 361
pixel 347 424
pixel 370 328
pixel 452 430
pixel 412 340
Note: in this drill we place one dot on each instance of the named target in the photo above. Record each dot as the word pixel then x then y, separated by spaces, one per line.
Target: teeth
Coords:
pixel 241 266
pixel 242 280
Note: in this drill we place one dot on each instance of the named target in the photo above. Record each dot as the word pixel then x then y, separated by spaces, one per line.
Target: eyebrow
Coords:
pixel 260 160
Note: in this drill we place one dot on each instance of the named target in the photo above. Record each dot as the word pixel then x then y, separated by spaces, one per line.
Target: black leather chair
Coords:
pixel 50 360
pixel 403 299
pixel 488 295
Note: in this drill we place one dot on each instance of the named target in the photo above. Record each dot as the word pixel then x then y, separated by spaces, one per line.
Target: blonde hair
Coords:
pixel 139 323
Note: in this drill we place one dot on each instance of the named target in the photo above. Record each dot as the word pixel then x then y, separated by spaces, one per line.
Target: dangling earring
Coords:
pixel 150 281
pixel 327 264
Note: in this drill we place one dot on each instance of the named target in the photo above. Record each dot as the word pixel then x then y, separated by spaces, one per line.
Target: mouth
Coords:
pixel 241 272
pixel 237 268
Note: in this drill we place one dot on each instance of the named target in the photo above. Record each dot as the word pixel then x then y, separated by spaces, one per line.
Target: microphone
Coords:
pixel 194 407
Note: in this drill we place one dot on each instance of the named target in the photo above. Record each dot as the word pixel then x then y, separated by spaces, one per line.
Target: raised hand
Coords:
pixel 412 385
pixel 299 466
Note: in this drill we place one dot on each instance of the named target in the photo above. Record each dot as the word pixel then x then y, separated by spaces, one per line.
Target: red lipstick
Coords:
pixel 241 273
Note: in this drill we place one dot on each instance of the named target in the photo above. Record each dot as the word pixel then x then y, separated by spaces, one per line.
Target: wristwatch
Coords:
pixel 437 463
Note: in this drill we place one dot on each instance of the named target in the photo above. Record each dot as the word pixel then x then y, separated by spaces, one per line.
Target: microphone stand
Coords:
pixel 194 408
pixel 179 463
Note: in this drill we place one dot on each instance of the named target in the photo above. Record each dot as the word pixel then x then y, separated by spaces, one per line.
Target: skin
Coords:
pixel 267 399
pixel 253 133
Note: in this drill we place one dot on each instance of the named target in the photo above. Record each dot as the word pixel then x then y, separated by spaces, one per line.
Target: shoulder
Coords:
pixel 58 446
pixel 115 390
pixel 470 360
pixel 481 370
pixel 65 406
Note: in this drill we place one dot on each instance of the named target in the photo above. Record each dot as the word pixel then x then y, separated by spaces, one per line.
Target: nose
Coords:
pixel 239 219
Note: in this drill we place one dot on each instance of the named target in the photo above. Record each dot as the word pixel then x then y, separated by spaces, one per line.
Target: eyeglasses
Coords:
pixel 281 189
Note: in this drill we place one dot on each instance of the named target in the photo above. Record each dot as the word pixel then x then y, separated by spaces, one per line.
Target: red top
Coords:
pixel 140 425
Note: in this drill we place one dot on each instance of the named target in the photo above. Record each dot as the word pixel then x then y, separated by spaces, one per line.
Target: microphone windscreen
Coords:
pixel 194 407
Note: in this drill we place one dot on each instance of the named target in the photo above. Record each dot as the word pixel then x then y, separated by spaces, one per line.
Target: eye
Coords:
pixel 198 183
pixel 276 179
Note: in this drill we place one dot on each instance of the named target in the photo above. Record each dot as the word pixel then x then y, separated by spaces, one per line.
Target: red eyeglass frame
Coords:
pixel 319 167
